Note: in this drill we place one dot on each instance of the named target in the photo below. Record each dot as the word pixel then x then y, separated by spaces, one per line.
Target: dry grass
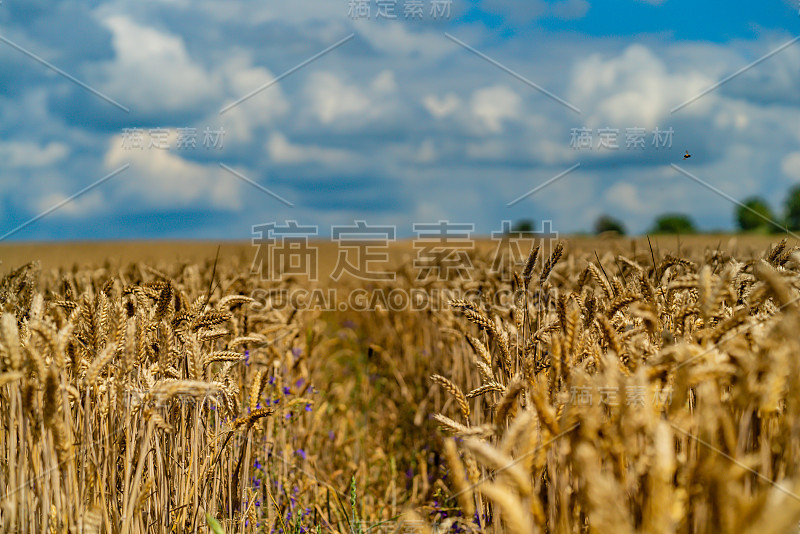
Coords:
pixel 628 392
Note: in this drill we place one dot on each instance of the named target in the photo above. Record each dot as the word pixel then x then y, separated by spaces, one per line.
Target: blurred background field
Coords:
pixel 94 253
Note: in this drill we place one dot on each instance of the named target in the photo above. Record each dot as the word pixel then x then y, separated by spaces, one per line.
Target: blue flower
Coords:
pixel 272 380
pixel 301 453
pixel 257 464
pixel 247 357
pixel 308 407
pixel 286 390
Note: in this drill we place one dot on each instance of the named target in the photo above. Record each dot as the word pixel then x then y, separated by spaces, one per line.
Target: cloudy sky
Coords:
pixel 199 118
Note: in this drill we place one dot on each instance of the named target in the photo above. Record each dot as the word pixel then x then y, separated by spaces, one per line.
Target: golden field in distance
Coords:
pixel 65 255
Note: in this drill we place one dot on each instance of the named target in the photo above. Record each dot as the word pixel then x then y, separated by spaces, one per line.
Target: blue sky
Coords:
pixel 408 120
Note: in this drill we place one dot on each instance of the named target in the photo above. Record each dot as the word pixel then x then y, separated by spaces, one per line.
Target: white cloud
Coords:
pixel 398 38
pixel 441 107
pixel 384 82
pixel 791 166
pixel 426 152
pixel 516 11
pixel 331 99
pixel 300 11
pixel 635 89
pixel 493 105
pixel 726 119
pixel 627 198
pixel 775 81
pixel 152 70
pixel 261 110
pixel 87 204
pixel 570 9
pixel 163 179
pixel 19 154
pixel 281 150
pixel 552 152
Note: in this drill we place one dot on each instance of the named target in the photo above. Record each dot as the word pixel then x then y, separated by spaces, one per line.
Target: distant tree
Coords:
pixel 607 223
pixel 524 225
pixel 673 223
pixel 754 215
pixel 793 208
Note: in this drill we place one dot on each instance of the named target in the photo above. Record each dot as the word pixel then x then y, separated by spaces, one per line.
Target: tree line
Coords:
pixel 753 215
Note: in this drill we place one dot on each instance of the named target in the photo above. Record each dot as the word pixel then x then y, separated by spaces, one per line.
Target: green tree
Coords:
pixel 607 223
pixel 525 225
pixel 754 215
pixel 793 208
pixel 673 223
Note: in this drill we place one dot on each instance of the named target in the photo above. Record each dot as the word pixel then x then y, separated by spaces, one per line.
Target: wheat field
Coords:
pixel 618 388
